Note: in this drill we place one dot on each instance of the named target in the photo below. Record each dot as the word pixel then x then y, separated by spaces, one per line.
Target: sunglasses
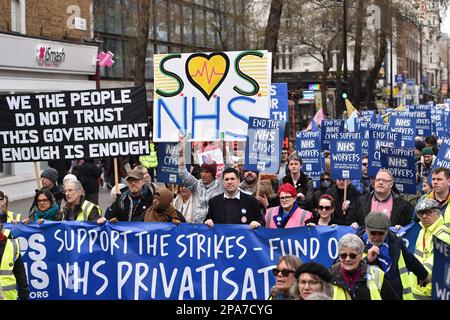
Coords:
pixel 377 233
pixel 284 272
pixel 285 198
pixel 325 207
pixel 325 179
pixel 364 164
pixel 351 255
pixel 421 213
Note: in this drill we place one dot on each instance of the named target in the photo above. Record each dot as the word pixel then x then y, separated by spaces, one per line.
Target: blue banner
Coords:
pixel 423 123
pixel 406 127
pixel 441 270
pixel 126 261
pixel 400 162
pixel 364 128
pixel 346 156
pixel 279 102
pixel 330 130
pixel 263 148
pixel 307 145
pixel 168 156
pixel 443 156
pixel 378 139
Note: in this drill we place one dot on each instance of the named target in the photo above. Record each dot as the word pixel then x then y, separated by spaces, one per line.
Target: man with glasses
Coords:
pixel 386 250
pixel 432 224
pixel 363 185
pixel 382 199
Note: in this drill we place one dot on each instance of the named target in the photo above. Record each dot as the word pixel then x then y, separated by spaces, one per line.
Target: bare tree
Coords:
pixel 141 42
pixel 273 27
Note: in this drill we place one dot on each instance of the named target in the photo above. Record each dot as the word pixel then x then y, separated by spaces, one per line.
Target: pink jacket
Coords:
pixel 297 219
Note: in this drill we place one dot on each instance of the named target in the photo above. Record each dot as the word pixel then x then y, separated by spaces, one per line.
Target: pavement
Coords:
pixel 23 206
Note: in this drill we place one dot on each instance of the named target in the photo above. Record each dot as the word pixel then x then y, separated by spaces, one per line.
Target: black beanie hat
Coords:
pixel 314 268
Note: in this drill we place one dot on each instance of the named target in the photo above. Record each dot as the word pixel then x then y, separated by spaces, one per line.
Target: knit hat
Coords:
pixel 419 145
pixel 51 174
pixel 377 221
pixel 426 151
pixel 210 167
pixel 314 268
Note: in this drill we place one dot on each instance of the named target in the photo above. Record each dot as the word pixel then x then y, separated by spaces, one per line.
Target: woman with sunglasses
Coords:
pixel 325 213
pixel 288 214
pixel 353 278
pixel 46 209
pixel 284 277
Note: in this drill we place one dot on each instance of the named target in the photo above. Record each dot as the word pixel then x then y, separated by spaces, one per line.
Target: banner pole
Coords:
pixel 116 176
pixel 36 172
pixel 345 193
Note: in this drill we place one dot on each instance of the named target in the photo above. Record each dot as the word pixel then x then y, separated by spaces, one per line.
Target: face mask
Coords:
pixel 326 184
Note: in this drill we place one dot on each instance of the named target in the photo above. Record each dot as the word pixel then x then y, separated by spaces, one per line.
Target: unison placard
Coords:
pixel 73 125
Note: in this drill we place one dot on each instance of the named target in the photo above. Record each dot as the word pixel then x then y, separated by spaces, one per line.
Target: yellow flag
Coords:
pixel 350 107
pixel 400 108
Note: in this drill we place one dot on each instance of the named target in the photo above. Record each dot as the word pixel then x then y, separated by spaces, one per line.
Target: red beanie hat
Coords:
pixel 288 188
pixel 210 167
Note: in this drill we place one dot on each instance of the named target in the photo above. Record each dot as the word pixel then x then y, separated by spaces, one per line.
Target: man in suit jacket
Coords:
pixel 233 206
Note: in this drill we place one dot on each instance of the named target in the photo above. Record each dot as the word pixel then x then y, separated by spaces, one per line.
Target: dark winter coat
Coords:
pixel 304 185
pixel 120 209
pixel 338 196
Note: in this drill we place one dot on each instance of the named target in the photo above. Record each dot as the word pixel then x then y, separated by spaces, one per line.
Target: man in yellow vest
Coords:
pixel 13 278
pixel 150 161
pixel 77 207
pixel 6 215
pixel 386 250
pixel 432 224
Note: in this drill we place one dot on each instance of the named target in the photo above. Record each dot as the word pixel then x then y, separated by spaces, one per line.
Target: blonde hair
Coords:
pixel 266 189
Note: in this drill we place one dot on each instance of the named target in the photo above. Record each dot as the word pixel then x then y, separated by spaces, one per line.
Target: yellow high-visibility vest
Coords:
pixel 8 281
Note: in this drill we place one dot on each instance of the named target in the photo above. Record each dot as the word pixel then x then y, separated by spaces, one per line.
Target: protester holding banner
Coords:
pixel 288 214
pixel 356 280
pixel 382 199
pixel 47 208
pixel 302 183
pixel 432 224
pixel 162 209
pixel 325 213
pixel 13 277
pixel 284 277
pixel 76 206
pixel 387 251
pixel 184 203
pixel 133 201
pixel 202 189
pixel 5 214
pixel 337 192
pixel 311 278
pixel 233 206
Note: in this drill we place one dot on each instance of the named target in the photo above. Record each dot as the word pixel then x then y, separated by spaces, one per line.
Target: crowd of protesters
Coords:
pixel 373 263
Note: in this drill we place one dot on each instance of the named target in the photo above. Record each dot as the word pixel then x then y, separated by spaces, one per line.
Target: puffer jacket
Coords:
pixel 201 193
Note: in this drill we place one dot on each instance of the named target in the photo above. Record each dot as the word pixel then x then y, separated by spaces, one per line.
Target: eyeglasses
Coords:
pixel 284 272
pixel 364 164
pixel 421 213
pixel 352 256
pixel 325 207
pixel 377 233
pixel 382 180
pixel 43 200
pixel 285 198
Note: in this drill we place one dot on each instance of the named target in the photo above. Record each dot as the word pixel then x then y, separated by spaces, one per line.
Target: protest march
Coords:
pixel 216 200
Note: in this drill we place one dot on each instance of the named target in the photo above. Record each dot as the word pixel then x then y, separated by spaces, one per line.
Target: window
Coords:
pixel 161 21
pixel 116 71
pixel 199 28
pixel 187 25
pixel 211 32
pixel 175 22
pixel 114 17
pixel 18 16
pixel 149 61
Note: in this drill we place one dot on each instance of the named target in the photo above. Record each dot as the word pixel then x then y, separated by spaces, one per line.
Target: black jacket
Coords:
pixel 120 209
pixel 304 185
pixel 338 196
pixel 19 273
pixel 360 290
pixel 88 174
pixel 247 206
pixel 401 210
pixel 396 245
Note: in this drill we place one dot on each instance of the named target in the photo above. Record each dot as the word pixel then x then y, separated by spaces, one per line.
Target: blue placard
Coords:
pixel 368 116
pixel 422 113
pixel 168 156
pixel 400 162
pixel 378 139
pixel 441 270
pixel 406 127
pixel 346 156
pixel 443 156
pixel 307 145
pixel 330 130
pixel 279 102
pixel 364 129
pixel 264 142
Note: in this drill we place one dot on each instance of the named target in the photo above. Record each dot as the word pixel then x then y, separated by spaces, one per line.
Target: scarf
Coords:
pixel 48 214
pixel 351 278
pixel 282 218
pixel 384 257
